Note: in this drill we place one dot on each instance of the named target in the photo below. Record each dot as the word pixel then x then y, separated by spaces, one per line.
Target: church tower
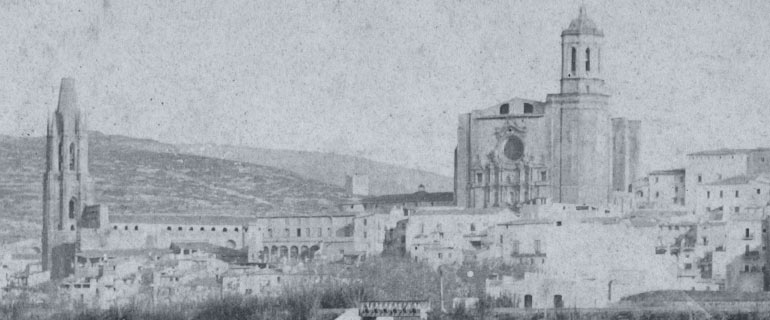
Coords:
pixel 581 121
pixel 67 185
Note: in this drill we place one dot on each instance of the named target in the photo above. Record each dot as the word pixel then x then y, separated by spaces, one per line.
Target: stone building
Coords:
pixel 661 189
pixel 565 149
pixel 714 165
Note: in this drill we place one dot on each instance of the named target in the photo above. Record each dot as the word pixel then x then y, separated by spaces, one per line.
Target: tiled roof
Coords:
pixel 419 196
pixel 428 211
pixel 667 172
pixel 726 151
pixel 122 252
pixel 736 180
pixel 182 219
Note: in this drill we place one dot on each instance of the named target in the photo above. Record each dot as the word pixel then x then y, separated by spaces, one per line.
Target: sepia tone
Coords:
pixel 564 207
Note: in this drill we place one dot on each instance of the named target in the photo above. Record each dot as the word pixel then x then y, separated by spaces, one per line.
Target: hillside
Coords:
pixel 134 176
pixel 330 168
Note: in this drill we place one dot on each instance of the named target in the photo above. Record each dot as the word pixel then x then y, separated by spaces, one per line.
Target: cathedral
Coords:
pixel 565 149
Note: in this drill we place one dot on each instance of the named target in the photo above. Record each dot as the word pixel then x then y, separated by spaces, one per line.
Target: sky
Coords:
pixel 385 80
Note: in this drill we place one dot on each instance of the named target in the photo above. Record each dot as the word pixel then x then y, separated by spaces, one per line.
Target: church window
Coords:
pixel 72 208
pixel 528 108
pixel 574 59
pixel 588 59
pixel 504 108
pixel 514 148
pixel 72 156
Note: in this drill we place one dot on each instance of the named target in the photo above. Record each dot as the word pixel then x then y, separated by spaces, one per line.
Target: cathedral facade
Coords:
pixel 564 149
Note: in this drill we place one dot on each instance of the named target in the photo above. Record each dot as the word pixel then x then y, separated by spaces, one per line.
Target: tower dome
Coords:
pixel 582 25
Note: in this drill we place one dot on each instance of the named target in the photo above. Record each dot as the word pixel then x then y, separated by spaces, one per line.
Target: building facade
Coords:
pixel 564 150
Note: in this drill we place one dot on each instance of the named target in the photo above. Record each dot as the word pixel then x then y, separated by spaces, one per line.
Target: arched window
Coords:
pixel 72 227
pixel 473 227
pixel 125 228
pixel 72 208
pixel 504 108
pixel 574 59
pixel 72 156
pixel 588 59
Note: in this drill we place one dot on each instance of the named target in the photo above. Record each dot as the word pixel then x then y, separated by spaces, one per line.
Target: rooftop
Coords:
pixel 460 211
pixel 182 219
pixel 419 196
pixel 738 180
pixel 727 151
pixel 667 172
pixel 582 25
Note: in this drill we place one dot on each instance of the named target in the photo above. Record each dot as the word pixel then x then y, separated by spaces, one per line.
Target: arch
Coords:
pixel 504 108
pixel 72 208
pixel 236 229
pixel 72 227
pixel 294 253
pixel 273 252
pixel 574 60
pixel 231 244
pixel 72 156
pixel 588 59
pixel 558 301
pixel 304 253
pixel 284 251
pixel 313 251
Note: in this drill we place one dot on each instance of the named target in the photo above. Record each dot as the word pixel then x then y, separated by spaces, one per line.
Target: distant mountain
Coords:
pixel 136 176
pixel 330 168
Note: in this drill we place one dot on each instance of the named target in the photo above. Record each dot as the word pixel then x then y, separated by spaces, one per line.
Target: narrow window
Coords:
pixel 72 156
pixel 721 194
pixel 479 178
pixel 72 208
pixel 168 228
pixel 473 227
pixel 504 108
pixel 708 194
pixel 299 232
pixel 179 229
pixel 574 59
pixel 737 209
pixel 657 194
pixel 528 108
pixel 588 59
pixel 136 228
pixel 736 194
pixel 759 191
pixel 224 229
pixel 700 178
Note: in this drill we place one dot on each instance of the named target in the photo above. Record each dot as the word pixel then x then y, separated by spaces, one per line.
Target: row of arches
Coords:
pixel 288 253
pixel 180 228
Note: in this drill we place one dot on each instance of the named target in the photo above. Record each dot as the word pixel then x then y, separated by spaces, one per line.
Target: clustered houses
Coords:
pixel 547 187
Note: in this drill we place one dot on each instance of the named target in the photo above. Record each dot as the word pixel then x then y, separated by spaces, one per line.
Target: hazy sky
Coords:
pixel 379 79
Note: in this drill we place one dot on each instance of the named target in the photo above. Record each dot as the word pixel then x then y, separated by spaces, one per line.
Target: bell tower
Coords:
pixel 67 185
pixel 581 122
pixel 581 47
